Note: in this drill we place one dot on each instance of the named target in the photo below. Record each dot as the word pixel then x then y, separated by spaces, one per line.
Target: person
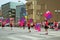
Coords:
pixel 28 24
pixel 51 24
pixel 11 25
pixel 56 25
pixel 32 24
pixel 46 26
pixel 3 25
pixel 24 24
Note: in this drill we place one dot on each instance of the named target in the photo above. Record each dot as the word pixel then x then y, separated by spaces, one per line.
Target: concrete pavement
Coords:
pixel 23 34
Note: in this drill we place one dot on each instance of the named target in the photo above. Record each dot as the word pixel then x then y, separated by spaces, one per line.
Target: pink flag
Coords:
pixel 48 15
pixel 0 20
pixel 37 27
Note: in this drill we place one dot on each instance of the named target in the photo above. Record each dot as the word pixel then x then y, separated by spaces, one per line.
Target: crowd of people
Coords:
pixel 36 25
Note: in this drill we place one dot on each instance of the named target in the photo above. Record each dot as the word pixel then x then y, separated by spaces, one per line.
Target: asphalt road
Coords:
pixel 23 34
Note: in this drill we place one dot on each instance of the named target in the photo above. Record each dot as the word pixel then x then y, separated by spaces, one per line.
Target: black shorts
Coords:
pixel 2 25
pixel 11 25
pixel 55 25
pixel 46 27
pixel 23 25
pixel 28 27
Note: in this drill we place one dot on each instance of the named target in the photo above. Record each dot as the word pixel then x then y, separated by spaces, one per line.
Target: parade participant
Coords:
pixel 32 24
pixel 3 25
pixel 24 24
pixel 28 24
pixel 46 26
pixel 56 25
pixel 11 25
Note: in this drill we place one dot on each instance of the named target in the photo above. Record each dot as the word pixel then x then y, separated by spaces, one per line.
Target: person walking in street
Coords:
pixel 46 26
pixel 28 24
pixel 56 25
pixel 3 25
pixel 11 25
pixel 24 24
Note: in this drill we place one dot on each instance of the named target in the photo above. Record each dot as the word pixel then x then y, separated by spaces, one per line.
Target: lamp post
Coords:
pixel 34 10
pixel 56 11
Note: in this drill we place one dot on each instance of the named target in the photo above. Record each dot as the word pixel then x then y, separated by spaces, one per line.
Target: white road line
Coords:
pixel 14 38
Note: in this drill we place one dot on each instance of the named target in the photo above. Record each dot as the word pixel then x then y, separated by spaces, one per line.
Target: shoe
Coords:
pixel 46 33
pixel 29 30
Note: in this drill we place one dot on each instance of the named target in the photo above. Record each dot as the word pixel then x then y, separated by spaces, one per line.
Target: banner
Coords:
pixel 7 20
pixel 0 20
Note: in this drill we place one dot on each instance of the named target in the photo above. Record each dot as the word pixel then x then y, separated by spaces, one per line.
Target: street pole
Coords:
pixel 34 11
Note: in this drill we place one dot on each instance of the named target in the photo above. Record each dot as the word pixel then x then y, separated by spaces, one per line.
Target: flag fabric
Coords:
pixel 31 20
pixel 48 15
pixel 21 21
pixel 0 20
pixel 11 19
pixel 4 22
pixel 37 27
pixel 7 20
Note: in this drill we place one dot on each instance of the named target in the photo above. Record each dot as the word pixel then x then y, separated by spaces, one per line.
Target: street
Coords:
pixel 23 34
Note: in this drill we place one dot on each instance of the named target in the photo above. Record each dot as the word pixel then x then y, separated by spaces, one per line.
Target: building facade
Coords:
pixel 12 9
pixel 5 9
pixel 36 9
pixel 8 8
pixel 0 13
pixel 20 11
